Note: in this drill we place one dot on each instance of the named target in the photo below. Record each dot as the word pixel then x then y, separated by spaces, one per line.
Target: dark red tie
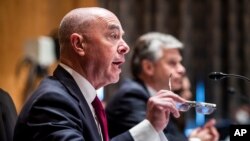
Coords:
pixel 101 116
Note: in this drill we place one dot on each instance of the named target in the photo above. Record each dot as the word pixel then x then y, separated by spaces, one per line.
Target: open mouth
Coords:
pixel 118 64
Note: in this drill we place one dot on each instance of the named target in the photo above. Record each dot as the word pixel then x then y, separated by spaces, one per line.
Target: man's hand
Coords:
pixel 160 106
pixel 206 133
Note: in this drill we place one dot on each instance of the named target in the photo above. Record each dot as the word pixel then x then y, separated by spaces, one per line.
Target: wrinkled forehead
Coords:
pixel 109 20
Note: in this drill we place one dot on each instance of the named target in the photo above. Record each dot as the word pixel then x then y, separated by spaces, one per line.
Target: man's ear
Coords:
pixel 148 67
pixel 78 43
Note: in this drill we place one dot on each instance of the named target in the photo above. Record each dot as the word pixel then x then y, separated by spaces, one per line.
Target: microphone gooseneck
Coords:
pixel 216 75
pixel 220 75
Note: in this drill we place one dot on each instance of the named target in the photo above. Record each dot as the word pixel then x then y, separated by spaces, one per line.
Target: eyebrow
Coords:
pixel 115 27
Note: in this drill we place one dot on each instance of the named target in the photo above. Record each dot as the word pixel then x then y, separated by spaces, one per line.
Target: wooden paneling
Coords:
pixel 21 20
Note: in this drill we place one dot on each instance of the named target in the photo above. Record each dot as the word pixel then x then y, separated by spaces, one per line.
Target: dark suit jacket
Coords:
pixel 8 116
pixel 128 107
pixel 58 111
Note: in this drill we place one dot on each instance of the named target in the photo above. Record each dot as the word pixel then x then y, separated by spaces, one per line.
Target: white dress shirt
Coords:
pixel 143 131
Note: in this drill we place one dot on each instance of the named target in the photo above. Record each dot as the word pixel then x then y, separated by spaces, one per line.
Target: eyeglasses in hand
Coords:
pixel 200 107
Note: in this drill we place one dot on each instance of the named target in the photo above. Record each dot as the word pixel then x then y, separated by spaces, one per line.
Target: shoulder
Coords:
pixel 130 90
pixel 51 88
pixel 130 93
pixel 50 93
pixel 132 86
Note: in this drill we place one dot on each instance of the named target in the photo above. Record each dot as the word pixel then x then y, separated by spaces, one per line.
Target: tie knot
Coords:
pixel 97 104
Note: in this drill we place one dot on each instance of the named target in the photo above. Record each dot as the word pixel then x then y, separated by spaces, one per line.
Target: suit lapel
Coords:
pixel 67 80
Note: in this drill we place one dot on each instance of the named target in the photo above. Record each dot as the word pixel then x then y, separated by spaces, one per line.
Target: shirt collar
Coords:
pixel 151 90
pixel 86 88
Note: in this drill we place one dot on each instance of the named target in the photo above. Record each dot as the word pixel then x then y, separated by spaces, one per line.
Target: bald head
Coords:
pixel 91 43
pixel 79 21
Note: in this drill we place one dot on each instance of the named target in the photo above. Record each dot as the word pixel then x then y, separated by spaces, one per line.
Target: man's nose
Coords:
pixel 123 48
pixel 182 69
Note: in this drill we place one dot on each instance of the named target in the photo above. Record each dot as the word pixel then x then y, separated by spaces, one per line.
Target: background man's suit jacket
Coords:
pixel 58 111
pixel 128 107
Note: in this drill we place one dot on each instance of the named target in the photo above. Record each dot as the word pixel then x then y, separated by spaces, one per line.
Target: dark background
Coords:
pixel 216 35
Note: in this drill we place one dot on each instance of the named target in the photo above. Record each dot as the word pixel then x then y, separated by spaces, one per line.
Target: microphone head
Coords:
pixel 216 75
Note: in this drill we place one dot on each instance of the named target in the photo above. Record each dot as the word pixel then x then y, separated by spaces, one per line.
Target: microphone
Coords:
pixel 220 75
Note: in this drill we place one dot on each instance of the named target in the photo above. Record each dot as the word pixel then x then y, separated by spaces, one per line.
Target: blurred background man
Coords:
pixel 156 65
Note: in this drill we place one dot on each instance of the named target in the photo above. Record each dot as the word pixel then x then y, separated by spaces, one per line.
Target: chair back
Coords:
pixel 8 116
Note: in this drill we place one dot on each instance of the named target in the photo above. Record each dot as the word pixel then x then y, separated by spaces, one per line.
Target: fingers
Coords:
pixel 170 94
pixel 165 104
pixel 201 133
pixel 159 108
pixel 167 100
pixel 214 133
pixel 207 133
pixel 210 123
pixel 195 132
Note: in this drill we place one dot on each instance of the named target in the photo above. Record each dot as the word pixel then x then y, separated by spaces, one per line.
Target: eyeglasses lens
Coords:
pixel 183 107
pixel 204 109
